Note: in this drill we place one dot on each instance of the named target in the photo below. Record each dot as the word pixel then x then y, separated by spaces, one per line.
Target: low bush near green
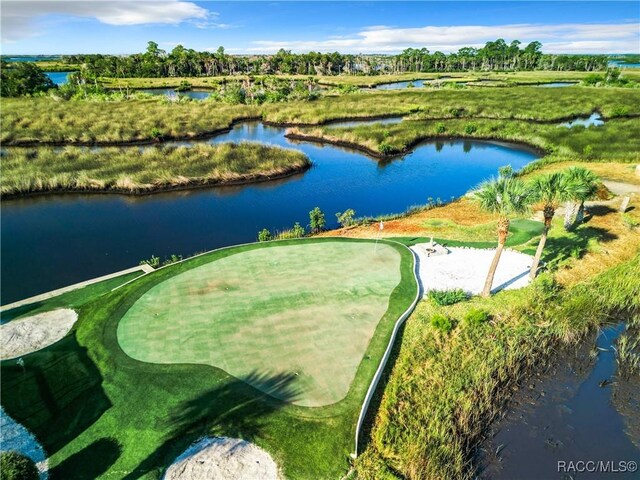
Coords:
pixel 447 297
pixel 442 322
pixel 264 235
pixel 476 316
pixel 14 466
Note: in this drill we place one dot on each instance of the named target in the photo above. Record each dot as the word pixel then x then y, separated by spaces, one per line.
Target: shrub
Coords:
pixel 297 230
pixel 385 148
pixel 172 259
pixel 184 86
pixel 156 133
pixel 264 235
pixel 442 322
pixel 447 297
pixel 456 112
pixel 470 128
pixel 317 221
pixel 441 128
pixel 15 466
pixel 476 316
pixel 346 218
pixel 152 262
pixel 630 222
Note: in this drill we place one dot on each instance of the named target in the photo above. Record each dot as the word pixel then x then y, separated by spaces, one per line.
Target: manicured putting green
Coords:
pixel 306 310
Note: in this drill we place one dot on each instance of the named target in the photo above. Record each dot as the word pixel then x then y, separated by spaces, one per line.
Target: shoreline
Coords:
pixel 193 184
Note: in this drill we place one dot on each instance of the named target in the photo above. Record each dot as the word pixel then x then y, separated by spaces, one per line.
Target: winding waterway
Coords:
pixel 55 240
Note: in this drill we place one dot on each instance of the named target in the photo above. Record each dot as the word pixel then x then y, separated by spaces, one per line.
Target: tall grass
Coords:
pixel 445 389
pixel 142 170
pixel 47 120
pixel 618 139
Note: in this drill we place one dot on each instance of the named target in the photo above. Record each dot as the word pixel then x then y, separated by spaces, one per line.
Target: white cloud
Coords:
pixel 21 19
pixel 565 38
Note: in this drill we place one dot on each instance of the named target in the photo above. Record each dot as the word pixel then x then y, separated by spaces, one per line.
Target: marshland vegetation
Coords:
pixel 133 170
pixel 45 120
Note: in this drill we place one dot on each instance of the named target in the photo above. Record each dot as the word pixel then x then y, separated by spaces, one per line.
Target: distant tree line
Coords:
pixel 183 62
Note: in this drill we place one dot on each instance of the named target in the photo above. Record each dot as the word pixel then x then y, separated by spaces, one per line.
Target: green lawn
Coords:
pixel 101 414
pixel 272 311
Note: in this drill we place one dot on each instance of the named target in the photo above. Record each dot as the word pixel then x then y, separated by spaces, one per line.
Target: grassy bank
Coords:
pixel 38 120
pixel 617 139
pixel 445 389
pixel 134 170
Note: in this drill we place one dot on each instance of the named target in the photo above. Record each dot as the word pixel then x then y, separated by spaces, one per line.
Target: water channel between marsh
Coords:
pixel 54 240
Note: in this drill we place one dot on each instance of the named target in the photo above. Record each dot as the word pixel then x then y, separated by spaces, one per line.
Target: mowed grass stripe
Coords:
pixel 305 310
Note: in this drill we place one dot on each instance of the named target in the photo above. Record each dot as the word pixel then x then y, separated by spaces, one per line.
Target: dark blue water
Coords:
pixel 574 420
pixel 52 241
pixel 59 78
pixel 170 92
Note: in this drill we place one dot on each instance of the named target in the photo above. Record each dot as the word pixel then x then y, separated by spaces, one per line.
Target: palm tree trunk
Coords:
pixel 503 231
pixel 543 239
pixel 580 214
pixel 570 215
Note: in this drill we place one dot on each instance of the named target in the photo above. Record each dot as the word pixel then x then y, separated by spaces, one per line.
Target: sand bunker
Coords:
pixel 467 268
pixel 26 335
pixel 222 457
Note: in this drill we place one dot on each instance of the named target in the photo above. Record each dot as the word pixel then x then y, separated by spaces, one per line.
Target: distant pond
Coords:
pixel 59 78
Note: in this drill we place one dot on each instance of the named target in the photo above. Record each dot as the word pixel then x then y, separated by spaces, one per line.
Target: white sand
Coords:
pixel 223 458
pixel 15 437
pixel 26 335
pixel 467 268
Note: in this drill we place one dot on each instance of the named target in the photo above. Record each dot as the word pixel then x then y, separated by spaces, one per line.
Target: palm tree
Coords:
pixel 503 196
pixel 550 190
pixel 582 185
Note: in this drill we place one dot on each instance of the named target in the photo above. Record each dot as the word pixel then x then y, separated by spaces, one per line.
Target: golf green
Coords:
pixel 307 310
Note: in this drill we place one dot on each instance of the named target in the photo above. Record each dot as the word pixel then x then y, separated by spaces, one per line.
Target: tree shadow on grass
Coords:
pixel 90 462
pixel 56 393
pixel 234 409
pixel 575 243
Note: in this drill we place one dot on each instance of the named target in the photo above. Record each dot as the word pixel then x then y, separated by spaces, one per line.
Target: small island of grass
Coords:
pixel 130 170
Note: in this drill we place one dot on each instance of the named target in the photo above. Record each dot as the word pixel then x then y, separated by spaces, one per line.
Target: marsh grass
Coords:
pixel 46 120
pixel 135 170
pixel 444 390
pixel 618 139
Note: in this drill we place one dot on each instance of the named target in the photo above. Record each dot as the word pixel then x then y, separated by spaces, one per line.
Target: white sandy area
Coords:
pixel 26 335
pixel 467 268
pixel 223 458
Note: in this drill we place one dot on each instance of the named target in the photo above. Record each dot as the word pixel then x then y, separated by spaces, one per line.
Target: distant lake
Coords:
pixel 59 78
pixel 32 58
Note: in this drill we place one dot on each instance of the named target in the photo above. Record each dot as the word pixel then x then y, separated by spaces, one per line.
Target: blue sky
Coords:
pixel 49 27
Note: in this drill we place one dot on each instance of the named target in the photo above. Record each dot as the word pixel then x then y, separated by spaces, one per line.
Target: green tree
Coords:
pixel 346 218
pixel 504 196
pixel 264 235
pixel 550 190
pixel 582 185
pixel 317 221
pixel 23 78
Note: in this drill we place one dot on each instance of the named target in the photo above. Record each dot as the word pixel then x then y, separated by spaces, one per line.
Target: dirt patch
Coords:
pixel 30 334
pixel 222 457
